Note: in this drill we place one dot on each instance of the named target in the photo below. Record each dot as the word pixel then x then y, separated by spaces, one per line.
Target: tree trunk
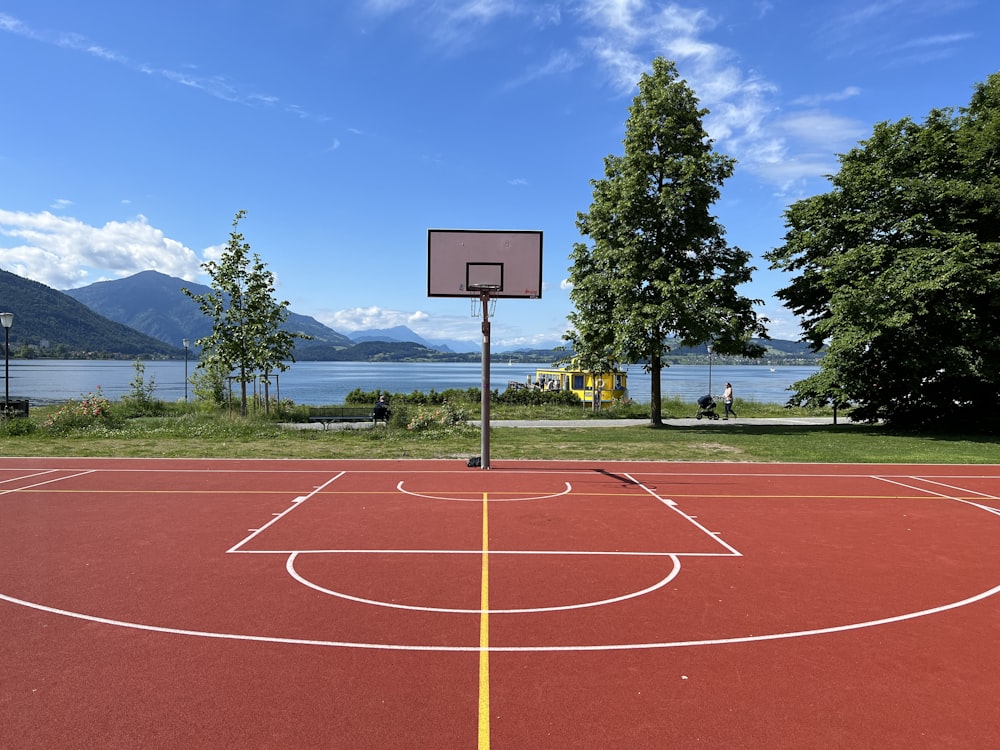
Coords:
pixel 655 398
pixel 243 392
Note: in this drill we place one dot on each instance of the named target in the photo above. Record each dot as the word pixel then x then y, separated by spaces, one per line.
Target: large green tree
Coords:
pixel 897 271
pixel 657 271
pixel 247 336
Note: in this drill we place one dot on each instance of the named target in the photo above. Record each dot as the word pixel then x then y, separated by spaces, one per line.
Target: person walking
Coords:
pixel 727 400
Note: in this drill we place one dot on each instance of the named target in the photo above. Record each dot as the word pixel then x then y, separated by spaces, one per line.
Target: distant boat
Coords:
pixel 603 387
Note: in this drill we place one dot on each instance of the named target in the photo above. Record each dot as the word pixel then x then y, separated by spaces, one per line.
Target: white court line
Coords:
pixel 49 481
pixel 522 649
pixel 509 649
pixel 28 476
pixel 987 508
pixel 477 552
pixel 295 504
pixel 566 491
pixel 716 536
pixel 290 567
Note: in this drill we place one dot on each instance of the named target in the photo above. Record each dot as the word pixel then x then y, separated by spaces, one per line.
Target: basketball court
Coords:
pixel 230 603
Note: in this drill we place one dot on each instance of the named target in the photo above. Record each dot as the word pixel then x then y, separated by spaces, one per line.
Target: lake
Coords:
pixel 50 381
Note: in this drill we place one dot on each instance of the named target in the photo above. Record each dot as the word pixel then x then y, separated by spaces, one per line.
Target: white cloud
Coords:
pixel 363 318
pixel 63 252
pixel 437 327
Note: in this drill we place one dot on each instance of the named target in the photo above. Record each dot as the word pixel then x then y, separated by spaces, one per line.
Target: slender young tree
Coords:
pixel 657 270
pixel 247 335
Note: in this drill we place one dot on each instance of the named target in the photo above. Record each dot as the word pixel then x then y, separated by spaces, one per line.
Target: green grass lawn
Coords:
pixel 184 431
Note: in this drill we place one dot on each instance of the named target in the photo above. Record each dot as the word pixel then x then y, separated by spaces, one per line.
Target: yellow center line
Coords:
pixel 484 639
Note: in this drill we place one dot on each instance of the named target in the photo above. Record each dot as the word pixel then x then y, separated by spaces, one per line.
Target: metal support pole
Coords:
pixel 485 400
pixel 6 370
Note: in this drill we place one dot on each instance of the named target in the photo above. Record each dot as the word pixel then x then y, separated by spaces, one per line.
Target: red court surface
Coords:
pixel 423 604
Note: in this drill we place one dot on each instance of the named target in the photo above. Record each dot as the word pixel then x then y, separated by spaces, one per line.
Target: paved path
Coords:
pixel 583 423
pixel 683 422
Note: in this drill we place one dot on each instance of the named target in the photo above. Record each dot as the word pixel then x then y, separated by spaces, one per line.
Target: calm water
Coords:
pixel 47 381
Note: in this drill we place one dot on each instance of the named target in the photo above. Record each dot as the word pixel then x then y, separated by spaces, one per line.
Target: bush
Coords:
pixel 454 395
pixel 444 417
pixel 533 397
pixel 139 401
pixel 15 426
pixel 93 410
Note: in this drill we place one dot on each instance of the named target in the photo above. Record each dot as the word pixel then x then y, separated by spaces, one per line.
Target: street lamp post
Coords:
pixel 186 342
pixel 709 368
pixel 6 320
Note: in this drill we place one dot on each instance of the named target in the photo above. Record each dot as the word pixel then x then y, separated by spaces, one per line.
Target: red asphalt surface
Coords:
pixel 423 604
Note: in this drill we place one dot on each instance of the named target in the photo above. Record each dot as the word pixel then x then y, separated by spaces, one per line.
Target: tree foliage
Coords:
pixel 247 338
pixel 658 268
pixel 897 270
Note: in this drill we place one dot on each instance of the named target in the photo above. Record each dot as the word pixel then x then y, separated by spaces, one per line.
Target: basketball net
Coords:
pixel 484 292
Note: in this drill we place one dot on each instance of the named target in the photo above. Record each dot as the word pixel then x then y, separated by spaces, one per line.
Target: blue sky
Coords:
pixel 131 133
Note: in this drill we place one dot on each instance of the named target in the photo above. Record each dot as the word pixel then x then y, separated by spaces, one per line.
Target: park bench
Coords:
pixel 345 414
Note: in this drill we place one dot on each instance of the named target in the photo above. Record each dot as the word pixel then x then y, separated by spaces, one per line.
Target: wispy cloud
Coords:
pixel 215 85
pixel 560 62
pixel 813 100
pixel 883 29
pixel 821 128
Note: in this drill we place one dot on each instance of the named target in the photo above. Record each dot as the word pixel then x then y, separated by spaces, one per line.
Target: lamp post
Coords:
pixel 709 368
pixel 6 320
pixel 186 342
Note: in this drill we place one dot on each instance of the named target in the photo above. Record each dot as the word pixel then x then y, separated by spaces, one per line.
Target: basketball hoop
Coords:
pixel 485 293
pixel 484 265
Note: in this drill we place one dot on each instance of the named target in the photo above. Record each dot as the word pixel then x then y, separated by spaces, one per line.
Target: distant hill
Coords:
pixel 153 303
pixel 403 333
pixel 51 322
pixel 396 333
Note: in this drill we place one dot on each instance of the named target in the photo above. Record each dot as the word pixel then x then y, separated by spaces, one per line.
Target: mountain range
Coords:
pixel 148 314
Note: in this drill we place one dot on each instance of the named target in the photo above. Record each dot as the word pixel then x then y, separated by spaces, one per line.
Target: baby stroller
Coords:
pixel 706 408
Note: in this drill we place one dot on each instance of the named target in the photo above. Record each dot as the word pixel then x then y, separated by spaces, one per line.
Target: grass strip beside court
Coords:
pixel 745 441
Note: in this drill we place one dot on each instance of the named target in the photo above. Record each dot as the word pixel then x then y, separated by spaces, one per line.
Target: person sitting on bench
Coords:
pixel 381 412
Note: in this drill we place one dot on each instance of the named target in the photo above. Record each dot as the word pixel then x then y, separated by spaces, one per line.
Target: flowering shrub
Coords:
pixel 442 417
pixel 94 409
